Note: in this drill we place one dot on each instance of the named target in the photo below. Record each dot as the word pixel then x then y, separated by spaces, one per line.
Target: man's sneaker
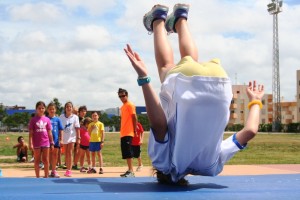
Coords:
pixel 139 168
pixel 100 171
pixel 32 159
pixel 127 174
pixel 68 173
pixel 82 169
pixel 157 12
pixel 91 171
pixel 179 11
pixel 54 174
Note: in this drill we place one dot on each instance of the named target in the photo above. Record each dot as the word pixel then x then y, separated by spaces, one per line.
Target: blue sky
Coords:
pixel 73 49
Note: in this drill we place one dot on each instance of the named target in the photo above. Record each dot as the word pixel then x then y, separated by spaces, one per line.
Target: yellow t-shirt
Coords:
pixel 96 132
pixel 188 67
pixel 127 110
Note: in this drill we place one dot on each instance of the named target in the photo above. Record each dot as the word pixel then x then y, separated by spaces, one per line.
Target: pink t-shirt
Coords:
pixel 40 127
pixel 85 137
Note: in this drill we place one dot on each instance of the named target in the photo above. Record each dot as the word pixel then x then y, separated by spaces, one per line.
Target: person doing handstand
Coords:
pixel 189 118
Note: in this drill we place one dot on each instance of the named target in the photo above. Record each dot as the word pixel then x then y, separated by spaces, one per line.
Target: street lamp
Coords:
pixel 274 8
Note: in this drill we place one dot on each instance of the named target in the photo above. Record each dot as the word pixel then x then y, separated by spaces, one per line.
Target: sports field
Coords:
pixel 263 149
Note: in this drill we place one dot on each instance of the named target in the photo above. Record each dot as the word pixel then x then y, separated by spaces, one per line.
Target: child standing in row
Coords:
pixel 22 149
pixel 96 131
pixel 84 144
pixel 82 110
pixel 71 134
pixel 40 138
pixel 57 129
pixel 137 141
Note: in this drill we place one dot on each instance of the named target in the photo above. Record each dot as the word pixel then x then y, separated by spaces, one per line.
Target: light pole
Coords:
pixel 274 8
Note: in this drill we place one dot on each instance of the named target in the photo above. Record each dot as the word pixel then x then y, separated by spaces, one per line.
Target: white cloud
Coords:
pixel 94 7
pixel 92 36
pixel 78 54
pixel 40 12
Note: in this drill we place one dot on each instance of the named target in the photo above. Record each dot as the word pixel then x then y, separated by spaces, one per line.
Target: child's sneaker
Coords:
pixel 82 169
pixel 100 171
pixel 75 167
pixel 41 165
pixel 157 12
pixel 91 171
pixel 54 174
pixel 139 168
pixel 68 173
pixel 179 10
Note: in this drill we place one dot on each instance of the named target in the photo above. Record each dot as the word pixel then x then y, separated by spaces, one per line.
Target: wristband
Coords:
pixel 250 104
pixel 143 80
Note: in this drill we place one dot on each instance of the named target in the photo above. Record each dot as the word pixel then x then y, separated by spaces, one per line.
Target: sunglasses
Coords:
pixel 121 96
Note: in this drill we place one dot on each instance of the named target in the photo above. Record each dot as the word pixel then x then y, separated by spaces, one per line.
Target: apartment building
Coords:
pixel 239 110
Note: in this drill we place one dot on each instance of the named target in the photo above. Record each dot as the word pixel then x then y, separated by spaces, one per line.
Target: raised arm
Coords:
pixel 155 112
pixel 255 94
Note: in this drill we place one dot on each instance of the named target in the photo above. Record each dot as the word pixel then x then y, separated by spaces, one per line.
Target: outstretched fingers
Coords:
pixel 255 91
pixel 136 61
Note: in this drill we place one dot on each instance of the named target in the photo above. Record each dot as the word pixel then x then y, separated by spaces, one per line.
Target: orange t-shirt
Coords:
pixel 127 128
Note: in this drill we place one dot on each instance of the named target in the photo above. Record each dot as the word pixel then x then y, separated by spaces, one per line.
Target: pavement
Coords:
pixel 147 171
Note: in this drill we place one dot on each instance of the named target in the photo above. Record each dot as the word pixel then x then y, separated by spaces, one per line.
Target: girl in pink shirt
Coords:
pixel 40 138
pixel 84 144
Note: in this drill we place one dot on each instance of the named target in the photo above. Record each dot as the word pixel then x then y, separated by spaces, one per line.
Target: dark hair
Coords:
pixel 121 90
pixel 39 103
pixel 96 113
pixel 81 108
pixel 68 102
pixel 19 138
pixel 51 104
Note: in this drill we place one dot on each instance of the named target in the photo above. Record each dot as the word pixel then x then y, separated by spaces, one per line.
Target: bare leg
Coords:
pixel 187 45
pixel 45 159
pixel 37 160
pixel 93 159
pixel 53 158
pixel 129 164
pixel 163 50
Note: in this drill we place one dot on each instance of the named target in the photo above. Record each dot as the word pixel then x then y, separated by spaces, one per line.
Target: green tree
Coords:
pixel 17 120
pixel 105 119
pixel 2 113
pixel 116 122
pixel 143 119
pixel 59 107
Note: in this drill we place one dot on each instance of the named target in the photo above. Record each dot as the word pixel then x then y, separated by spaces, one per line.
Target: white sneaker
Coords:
pixel 157 12
pixel 179 10
pixel 139 168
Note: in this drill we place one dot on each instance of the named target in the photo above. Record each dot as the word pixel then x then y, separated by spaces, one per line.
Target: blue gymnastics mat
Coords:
pixel 144 188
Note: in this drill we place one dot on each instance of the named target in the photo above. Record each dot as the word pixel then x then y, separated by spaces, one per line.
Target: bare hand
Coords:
pixel 254 92
pixel 136 61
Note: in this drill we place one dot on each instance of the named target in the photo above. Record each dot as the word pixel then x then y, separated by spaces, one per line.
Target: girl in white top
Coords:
pixel 71 134
pixel 188 121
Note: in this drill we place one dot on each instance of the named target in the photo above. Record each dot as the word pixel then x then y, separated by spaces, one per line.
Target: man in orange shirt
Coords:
pixel 128 130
